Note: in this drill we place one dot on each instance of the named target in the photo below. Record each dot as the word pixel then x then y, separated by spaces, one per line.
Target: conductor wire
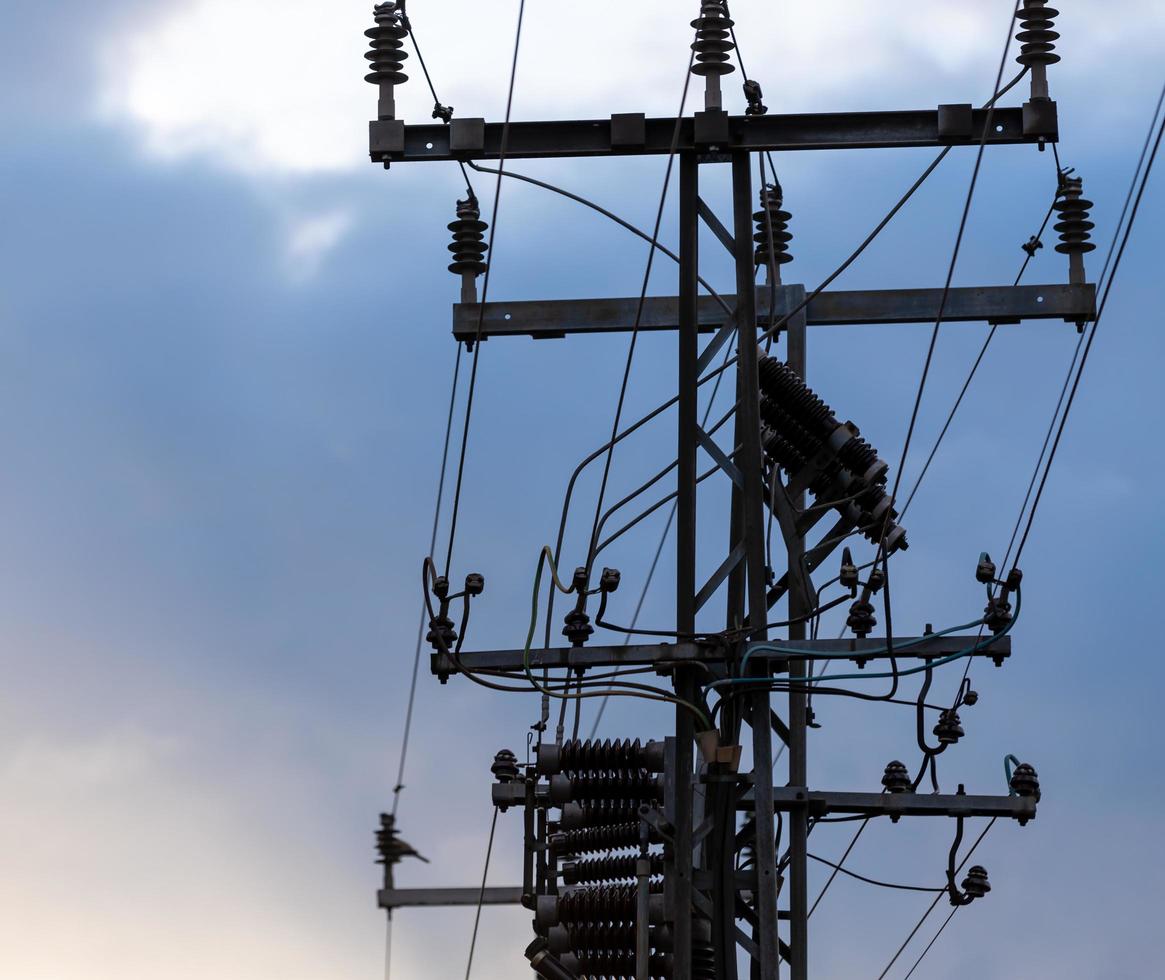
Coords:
pixel 485 288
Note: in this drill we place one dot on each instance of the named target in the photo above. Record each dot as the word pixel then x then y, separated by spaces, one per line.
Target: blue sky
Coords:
pixel 224 360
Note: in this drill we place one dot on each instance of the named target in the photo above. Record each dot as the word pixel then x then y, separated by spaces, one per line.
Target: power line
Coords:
pixel 639 310
pixel 946 922
pixel 489 848
pixel 421 628
pixel 485 287
pixel 937 898
pixel 954 261
pixel 1092 333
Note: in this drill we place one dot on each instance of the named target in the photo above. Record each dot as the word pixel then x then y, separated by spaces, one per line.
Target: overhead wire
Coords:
pixel 937 899
pixel 1120 251
pixel 421 627
pixel 639 310
pixel 408 25
pixel 837 868
pixel 930 945
pixel 489 848
pixel 485 287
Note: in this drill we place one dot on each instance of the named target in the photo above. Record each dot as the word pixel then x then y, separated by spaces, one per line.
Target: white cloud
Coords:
pixel 277 87
pixel 310 239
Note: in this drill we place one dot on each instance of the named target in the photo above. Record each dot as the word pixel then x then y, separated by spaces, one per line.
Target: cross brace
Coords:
pixel 399 898
pixel 632 133
pixel 664 654
pixel 550 319
pixel 897 804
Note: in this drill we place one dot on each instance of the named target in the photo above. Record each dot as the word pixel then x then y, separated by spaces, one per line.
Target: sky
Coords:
pixel 224 370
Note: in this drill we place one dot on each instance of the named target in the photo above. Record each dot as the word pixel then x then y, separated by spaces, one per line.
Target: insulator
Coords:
pixel 971 698
pixel 603 903
pixel 772 229
pixel 997 613
pixel 576 816
pixel 861 618
pixel 638 786
pixel 781 383
pixel 713 41
pixel 703 962
pixel 1025 781
pixel 592 840
pixel 577 755
pixel 468 245
pixel 861 458
pixel 619 965
pixel 616 966
pixel 896 778
pixel 441 633
pixel 976 885
pixel 592 936
pixel 505 766
pixel 1074 227
pixel 781 451
pixel 1036 38
pixel 386 55
pixel 608 869
pixel 781 420
pixel 949 728
pixel 985 570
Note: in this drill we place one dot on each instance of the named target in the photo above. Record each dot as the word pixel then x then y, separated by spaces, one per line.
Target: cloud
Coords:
pixel 310 239
pixel 277 88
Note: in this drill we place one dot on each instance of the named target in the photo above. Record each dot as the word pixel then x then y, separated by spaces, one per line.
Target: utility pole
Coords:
pixel 660 859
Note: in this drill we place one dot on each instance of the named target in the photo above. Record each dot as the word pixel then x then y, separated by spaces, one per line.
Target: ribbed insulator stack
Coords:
pixel 599 904
pixel 592 840
pixel 468 245
pixel 606 870
pixel 1036 36
pixel 798 427
pixel 1074 226
pixel 590 936
pixel 576 816
pixel 620 965
pixel 386 55
pixel 781 383
pixel 577 755
pixel 713 40
pixel 703 962
pixel 639 786
pixel 772 231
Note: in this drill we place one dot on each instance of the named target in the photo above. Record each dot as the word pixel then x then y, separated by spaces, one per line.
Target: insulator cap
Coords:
pixel 949 728
pixel 713 41
pixel 861 618
pixel 468 245
pixel 848 576
pixel 985 570
pixel 896 778
pixel 1025 781
pixel 505 766
pixel 386 54
pixel 1073 210
pixel 1037 39
pixel 772 229
pixel 976 885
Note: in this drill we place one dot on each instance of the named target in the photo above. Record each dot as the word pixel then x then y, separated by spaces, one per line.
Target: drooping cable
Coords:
pixel 484 288
pixel 837 868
